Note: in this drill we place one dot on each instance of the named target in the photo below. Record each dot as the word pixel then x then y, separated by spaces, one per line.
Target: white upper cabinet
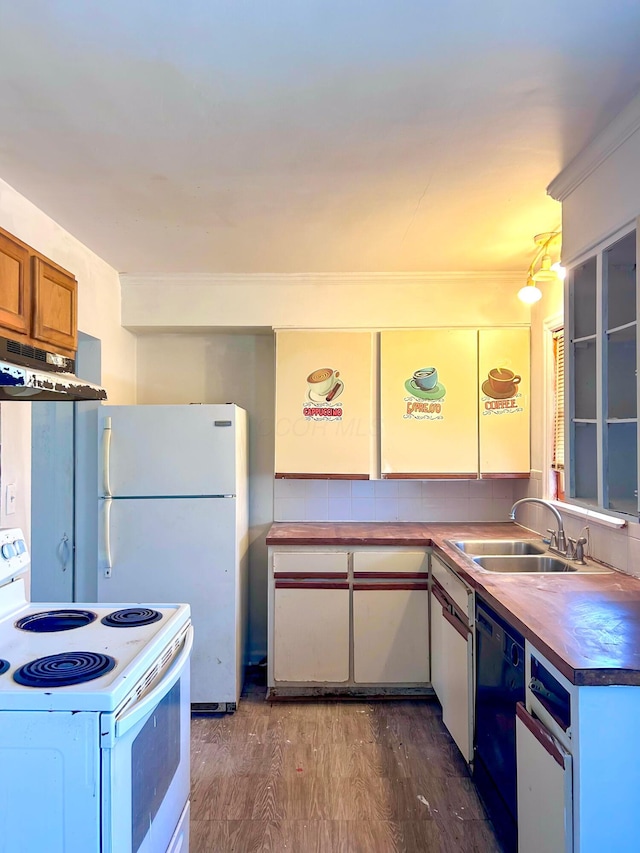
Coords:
pixel 503 376
pixel 324 404
pixel 429 402
pixel 452 403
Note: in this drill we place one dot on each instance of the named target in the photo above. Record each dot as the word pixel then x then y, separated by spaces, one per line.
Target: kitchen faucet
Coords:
pixel 558 541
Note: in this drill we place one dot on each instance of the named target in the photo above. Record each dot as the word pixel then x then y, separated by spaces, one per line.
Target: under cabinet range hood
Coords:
pixel 31 374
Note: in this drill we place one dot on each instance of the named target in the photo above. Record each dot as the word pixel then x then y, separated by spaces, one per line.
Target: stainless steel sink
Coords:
pixel 521 556
pixel 496 547
pixel 526 564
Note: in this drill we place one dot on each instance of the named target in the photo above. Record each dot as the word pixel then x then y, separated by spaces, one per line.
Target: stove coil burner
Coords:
pixel 4 666
pixel 64 669
pixel 55 620
pixel 132 617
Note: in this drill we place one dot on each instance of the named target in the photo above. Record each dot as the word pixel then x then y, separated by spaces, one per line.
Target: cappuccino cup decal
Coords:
pixel 323 387
pixel 426 395
pixel 501 392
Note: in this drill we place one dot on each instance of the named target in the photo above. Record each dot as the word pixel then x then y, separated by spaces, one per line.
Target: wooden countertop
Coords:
pixel 587 625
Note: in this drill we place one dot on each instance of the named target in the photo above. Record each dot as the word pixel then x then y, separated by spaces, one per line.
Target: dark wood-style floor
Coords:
pixel 332 777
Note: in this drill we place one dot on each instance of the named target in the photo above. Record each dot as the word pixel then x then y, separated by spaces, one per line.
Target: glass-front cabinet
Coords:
pixel 602 322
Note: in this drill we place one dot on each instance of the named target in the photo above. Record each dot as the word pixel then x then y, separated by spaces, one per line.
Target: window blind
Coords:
pixel 558 361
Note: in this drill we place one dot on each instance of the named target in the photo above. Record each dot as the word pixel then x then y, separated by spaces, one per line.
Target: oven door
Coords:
pixel 145 764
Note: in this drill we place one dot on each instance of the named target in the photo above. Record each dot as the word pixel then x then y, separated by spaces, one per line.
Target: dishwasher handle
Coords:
pixel 483 624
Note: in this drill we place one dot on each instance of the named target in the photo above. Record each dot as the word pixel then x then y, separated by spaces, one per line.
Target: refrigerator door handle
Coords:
pixel 107 536
pixel 106 458
pixel 62 551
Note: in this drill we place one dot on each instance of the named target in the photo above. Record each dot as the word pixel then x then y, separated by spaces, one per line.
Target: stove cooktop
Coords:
pixel 63 670
pixel 51 621
pixel 131 617
pixel 63 645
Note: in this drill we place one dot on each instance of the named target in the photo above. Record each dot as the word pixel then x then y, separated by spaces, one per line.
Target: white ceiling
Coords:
pixel 307 136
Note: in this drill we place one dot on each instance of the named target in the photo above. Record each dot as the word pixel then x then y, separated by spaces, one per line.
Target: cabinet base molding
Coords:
pixel 278 694
pixel 515 476
pixel 430 476
pixel 290 476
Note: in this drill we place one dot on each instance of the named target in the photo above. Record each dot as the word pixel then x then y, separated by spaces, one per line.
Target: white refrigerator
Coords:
pixel 173 528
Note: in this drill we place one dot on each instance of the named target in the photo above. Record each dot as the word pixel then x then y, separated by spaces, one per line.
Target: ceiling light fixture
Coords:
pixel 529 293
pixel 545 272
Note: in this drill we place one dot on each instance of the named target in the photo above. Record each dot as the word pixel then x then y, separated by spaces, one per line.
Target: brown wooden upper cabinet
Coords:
pixel 15 286
pixel 55 298
pixel 38 299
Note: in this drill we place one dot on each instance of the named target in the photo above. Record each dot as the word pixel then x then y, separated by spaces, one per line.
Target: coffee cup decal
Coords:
pixel 426 389
pixel 324 385
pixel 321 380
pixel 425 384
pixel 501 383
pixel 426 378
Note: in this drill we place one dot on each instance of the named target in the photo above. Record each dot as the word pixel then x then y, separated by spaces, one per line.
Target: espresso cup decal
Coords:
pixel 321 381
pixel 503 381
pixel 426 378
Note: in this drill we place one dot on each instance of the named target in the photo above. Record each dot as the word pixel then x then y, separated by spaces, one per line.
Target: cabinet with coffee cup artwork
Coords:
pixel 324 404
pixel 429 403
pixel 464 414
pixel 503 368
pixel 453 403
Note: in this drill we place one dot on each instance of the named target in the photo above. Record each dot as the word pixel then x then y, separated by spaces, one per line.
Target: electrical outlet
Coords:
pixel 10 502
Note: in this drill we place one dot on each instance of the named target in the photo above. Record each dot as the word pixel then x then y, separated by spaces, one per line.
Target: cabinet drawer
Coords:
pixel 549 696
pixel 452 584
pixel 400 563
pixel 300 563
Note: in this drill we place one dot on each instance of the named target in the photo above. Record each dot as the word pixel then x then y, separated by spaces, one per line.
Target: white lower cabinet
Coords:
pixel 311 634
pixel 545 788
pixel 390 635
pixel 350 619
pixel 438 665
pixel 457 709
pixel 452 673
pixel 452 653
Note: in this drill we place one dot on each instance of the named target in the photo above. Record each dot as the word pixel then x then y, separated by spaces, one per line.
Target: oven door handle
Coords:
pixel 133 715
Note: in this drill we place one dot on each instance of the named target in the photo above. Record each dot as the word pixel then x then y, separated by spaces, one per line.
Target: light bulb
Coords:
pixel 529 294
pixel 559 270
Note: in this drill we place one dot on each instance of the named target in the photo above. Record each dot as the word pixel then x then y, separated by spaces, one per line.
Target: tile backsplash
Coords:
pixel 447 500
pixel 393 500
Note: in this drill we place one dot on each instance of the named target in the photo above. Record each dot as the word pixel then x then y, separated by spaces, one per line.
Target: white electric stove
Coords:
pixel 94 721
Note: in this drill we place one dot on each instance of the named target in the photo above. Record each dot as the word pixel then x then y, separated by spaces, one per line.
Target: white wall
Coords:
pixel 203 302
pixel 98 315
pixel 15 461
pixel 600 188
pixel 605 201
